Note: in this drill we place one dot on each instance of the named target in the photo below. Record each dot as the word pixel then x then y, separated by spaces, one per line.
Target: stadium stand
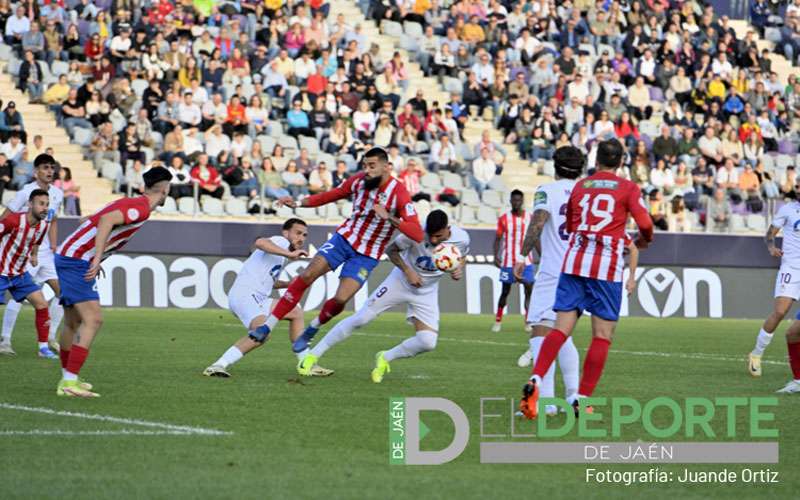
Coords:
pixel 248 101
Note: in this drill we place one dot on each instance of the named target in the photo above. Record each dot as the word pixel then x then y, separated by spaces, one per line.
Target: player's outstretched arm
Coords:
pixel 769 238
pixel 266 245
pixel 341 192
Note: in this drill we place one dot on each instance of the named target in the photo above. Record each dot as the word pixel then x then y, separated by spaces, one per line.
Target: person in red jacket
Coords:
pixel 207 177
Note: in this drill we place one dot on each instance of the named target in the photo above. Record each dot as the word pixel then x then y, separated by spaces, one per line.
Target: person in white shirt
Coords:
pixel 443 155
pixel 303 68
pixel 189 113
pixel 249 298
pixel 483 69
pixel 216 141
pixel 728 178
pixel 721 66
pixel 710 147
pixel 214 111
pixel 578 89
pixel 16 26
pixel 483 171
pixel 13 148
pixel 120 44
pixel 647 67
pixel 191 144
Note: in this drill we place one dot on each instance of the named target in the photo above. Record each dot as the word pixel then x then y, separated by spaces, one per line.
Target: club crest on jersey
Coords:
pixel 410 209
pixel 133 214
pixel 383 198
pixel 600 184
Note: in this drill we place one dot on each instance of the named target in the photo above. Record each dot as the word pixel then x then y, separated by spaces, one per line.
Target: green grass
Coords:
pixel 329 437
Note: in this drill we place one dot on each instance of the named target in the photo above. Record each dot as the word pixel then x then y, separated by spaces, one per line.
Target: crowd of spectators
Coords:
pixel 247 99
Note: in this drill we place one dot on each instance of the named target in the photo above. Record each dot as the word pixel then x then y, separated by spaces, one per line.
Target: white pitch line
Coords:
pixel 182 429
pixel 121 432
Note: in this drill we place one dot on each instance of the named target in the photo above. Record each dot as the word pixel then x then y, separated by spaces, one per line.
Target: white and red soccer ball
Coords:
pixel 446 257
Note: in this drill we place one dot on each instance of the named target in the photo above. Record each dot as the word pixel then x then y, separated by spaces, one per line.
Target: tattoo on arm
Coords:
pixel 770 236
pixel 533 236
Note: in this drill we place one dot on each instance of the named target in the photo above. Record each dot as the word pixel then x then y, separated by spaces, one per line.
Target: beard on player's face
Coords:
pixel 372 182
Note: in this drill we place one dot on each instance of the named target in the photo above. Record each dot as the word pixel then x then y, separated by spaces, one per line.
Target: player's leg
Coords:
pixel 547 386
pixel 423 314
pixel 10 314
pixel 602 334
pixel 296 321
pixel 36 298
pixel 793 346
pixel 236 352
pixel 316 268
pixel 91 319
pixel 779 310
pixel 56 311
pixel 528 289
pixel 507 278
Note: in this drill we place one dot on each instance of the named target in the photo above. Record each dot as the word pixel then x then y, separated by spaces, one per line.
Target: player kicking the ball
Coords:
pixel 20 237
pixel 414 282
pixel 45 272
pixel 78 262
pixel 381 205
pixel 591 274
pixel 249 298
pixel 787 283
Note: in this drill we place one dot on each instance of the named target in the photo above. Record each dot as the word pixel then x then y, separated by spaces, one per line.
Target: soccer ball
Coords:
pixel 446 257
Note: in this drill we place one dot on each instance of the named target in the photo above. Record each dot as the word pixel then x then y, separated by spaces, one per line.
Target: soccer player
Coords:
pixel 78 262
pixel 21 233
pixel 547 235
pixel 591 274
pixel 414 283
pixel 787 282
pixel 249 299
pixel 45 272
pixel 511 227
pixel 381 205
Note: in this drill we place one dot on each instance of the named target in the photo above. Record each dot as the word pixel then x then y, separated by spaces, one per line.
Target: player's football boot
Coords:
pixel 6 349
pixel 790 388
pixel 54 345
pixel 754 365
pixel 46 353
pixel 528 405
pixel 318 371
pixel 75 389
pixel 305 365
pixel 216 371
pixel 496 327
pixel 528 328
pixel 525 359
pixel 301 344
pixel 576 407
pixel 381 368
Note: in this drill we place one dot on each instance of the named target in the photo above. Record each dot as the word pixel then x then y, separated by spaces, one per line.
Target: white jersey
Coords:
pixel 420 256
pixel 553 199
pixel 261 269
pixel 788 219
pixel 20 204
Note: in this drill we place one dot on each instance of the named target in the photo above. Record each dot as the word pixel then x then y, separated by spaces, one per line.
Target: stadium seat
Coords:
pixel 772 35
pixel 288 142
pixel 466 152
pixel 59 68
pixel 497 184
pixel 311 144
pixel 423 209
pixel 453 85
pixel 329 160
pixel 452 181
pixel 8 195
pixel 5 52
pixel 349 160
pixel 470 198
pixel 408 43
pixel 186 205
pixel 549 168
pixel 756 222
pixel 12 68
pixel 267 143
pixel 444 207
pixel 431 182
pixel 413 29
pixel 391 28
pixel 284 212
pixel 82 136
pixel 487 215
pixel 737 224
pixel 112 171
pixel 784 160
pixel 588 48
pixel 768 160
pixel 169 206
pixel 492 199
pixel 421 147
pixel 306 213
pixel 329 212
pixel 138 86
pixel 347 210
pixel 467 215
pixel 213 206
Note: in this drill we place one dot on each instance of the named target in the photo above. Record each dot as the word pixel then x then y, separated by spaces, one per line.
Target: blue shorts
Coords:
pixel 507 275
pixel 337 251
pixel 74 288
pixel 601 298
pixel 19 286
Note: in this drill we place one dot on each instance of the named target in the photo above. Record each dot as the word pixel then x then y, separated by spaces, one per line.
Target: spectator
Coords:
pixel 73 113
pixel 23 171
pixel 5 173
pixel 340 174
pixel 750 188
pixel 242 179
pixel 320 179
pixel 207 178
pixel 97 109
pixel 443 155
pixel 294 181
pixel 719 212
pixel 130 146
pixel 684 182
pixel 483 171
pixel 678 218
pixel 662 178
pixel 410 177
pixel 665 146
pixel 16 27
pixel 31 77
pixel 728 179
pixel 181 184
pixel 768 186
pixel 134 180
pixel 189 113
pixel 236 119
pixel 298 121
pixel 711 147
pixel 658 212
pixel 271 181
pixel 72 200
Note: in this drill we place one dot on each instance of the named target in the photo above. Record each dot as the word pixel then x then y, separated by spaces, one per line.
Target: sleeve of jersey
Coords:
pixel 409 222
pixel 639 212
pixel 280 241
pixel 540 201
pixel 135 210
pixel 464 245
pixel 17 204
pixel 780 218
pixel 343 191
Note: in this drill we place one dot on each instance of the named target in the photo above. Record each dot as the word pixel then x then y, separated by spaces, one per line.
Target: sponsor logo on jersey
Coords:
pixel 363 273
pixel 425 263
pixel 600 184
pixel 796 226
pixel 275 271
pixel 540 198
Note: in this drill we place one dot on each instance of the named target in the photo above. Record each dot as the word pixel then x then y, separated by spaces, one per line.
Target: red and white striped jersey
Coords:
pixel 367 233
pixel 17 238
pixel 80 244
pixel 597 213
pixel 511 229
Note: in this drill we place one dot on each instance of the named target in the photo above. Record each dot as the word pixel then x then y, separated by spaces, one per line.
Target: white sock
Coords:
pixel 547 385
pixel 70 376
pixel 315 323
pixel 10 318
pixel 231 356
pixel 56 311
pixel 762 341
pixel 42 344
pixel 272 321
pixel 569 361
pixel 423 341
pixel 302 354
pixel 340 332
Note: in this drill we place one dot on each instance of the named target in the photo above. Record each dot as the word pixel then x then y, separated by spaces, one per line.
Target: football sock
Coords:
pixel 794 358
pixel 64 355
pixel 56 314
pixel 762 341
pixel 548 352
pixel 231 356
pixel 547 386
pixel 341 331
pixel 593 365
pixel 10 318
pixel 423 341
pixel 329 310
pixel 498 317
pixel 569 362
pixel 42 326
pixel 77 356
pixel 286 303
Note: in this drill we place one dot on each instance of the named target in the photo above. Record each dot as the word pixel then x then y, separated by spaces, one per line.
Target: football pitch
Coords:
pixel 162 430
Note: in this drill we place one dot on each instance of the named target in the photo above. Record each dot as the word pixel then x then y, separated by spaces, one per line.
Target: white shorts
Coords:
pixel 540 310
pixel 787 283
pixel 248 304
pixel 45 271
pixel 394 291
